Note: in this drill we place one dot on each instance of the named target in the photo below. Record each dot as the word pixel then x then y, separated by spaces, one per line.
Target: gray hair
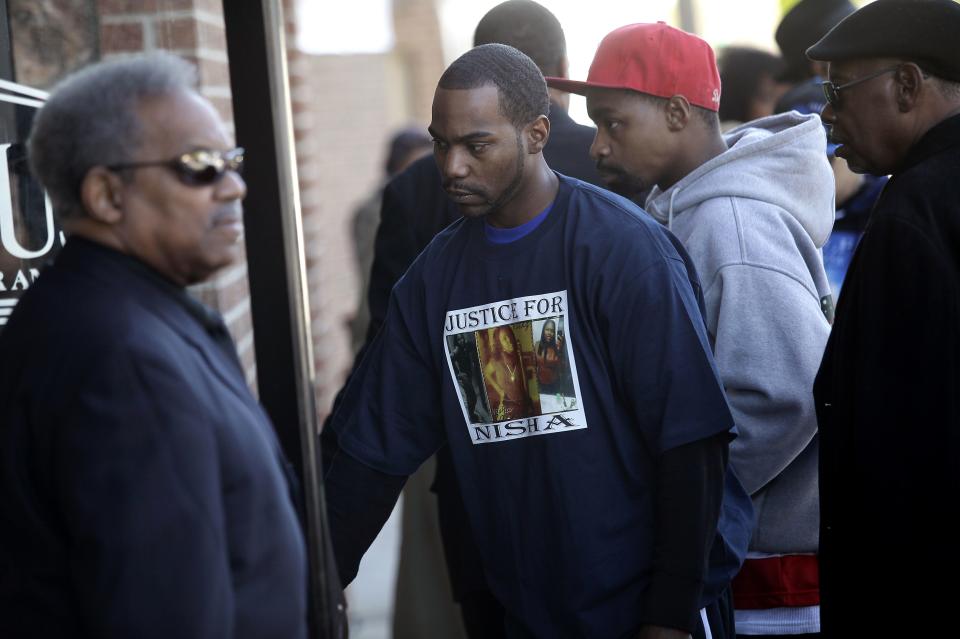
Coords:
pixel 91 120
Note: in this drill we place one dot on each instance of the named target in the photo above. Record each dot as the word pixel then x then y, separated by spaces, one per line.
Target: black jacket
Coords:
pixel 888 404
pixel 142 490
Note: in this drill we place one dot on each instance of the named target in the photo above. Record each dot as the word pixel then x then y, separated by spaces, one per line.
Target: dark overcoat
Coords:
pixel 142 490
pixel 888 405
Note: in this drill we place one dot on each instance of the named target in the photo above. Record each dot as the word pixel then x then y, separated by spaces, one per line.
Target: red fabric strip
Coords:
pixel 788 581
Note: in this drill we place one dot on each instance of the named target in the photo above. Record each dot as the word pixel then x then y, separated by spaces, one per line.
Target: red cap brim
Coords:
pixel 580 88
pixel 570 86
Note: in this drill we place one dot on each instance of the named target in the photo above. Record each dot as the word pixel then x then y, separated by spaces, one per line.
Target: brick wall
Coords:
pixel 304 130
pixel 51 39
pixel 345 109
pixel 346 147
pixel 420 49
pixel 193 29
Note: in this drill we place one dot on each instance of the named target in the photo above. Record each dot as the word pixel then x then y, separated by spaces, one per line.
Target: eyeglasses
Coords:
pixel 202 167
pixel 832 92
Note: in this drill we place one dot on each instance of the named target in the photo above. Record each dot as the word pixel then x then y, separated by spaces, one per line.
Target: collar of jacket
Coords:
pixel 193 321
pixel 939 138
pixel 208 318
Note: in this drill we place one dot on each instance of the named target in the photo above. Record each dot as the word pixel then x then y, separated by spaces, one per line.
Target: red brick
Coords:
pixel 213 73
pixel 117 7
pixel 189 33
pixel 208 6
pixel 232 295
pixel 213 36
pixel 247 360
pixel 176 33
pixel 121 37
pixel 241 327
pixel 206 293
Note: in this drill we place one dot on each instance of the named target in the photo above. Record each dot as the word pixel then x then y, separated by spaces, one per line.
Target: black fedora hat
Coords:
pixel 803 25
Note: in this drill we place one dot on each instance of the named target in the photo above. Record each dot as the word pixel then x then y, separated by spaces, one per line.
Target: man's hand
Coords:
pixel 660 632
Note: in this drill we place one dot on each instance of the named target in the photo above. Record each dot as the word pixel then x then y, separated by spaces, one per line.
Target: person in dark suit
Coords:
pixel 886 393
pixel 415 208
pixel 143 492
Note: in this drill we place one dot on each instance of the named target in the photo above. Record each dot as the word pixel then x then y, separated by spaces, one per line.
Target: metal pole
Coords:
pixel 256 49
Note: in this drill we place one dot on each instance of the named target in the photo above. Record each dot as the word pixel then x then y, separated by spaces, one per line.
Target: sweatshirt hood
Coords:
pixel 779 160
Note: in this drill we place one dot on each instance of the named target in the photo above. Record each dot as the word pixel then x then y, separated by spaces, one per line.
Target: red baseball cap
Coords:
pixel 656 59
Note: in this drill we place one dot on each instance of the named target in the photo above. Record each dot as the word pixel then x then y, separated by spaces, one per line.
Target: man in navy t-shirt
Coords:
pixel 594 503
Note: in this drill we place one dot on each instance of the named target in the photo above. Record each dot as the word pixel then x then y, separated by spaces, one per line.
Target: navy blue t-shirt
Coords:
pixel 557 367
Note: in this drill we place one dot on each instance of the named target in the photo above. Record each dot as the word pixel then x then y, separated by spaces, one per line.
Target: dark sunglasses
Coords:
pixel 202 167
pixel 832 92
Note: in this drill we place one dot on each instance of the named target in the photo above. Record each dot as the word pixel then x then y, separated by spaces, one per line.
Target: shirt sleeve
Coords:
pixel 658 346
pixel 138 480
pixel 390 417
pixel 688 502
pixel 770 336
pixel 359 502
pixel 389 421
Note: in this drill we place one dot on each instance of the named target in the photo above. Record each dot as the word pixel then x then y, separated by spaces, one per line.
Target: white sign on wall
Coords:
pixel 29 233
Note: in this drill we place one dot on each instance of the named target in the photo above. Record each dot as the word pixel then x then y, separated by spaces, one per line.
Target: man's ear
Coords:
pixel 537 133
pixel 101 193
pixel 909 80
pixel 677 112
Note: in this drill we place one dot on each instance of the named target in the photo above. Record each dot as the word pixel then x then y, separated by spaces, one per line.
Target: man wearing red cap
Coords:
pixel 752 207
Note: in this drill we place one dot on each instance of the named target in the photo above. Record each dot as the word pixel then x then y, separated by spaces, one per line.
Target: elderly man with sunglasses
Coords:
pixel 142 490
pixel 888 390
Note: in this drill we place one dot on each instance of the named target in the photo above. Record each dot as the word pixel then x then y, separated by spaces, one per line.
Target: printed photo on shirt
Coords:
pixel 512 367
pixel 553 369
pixel 465 362
pixel 509 371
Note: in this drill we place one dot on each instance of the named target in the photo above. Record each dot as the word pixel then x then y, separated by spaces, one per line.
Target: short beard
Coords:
pixel 625 184
pixel 510 192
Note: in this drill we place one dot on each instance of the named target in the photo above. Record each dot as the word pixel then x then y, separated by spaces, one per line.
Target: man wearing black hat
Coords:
pixel 887 400
pixel 803 25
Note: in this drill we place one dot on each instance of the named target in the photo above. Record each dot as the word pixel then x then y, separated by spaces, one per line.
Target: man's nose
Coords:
pixel 454 165
pixel 231 186
pixel 599 148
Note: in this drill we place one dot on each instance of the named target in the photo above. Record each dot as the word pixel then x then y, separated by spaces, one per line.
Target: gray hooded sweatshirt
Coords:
pixel 753 220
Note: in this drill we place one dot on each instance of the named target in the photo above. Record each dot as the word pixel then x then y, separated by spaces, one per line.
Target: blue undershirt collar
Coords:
pixel 506 236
